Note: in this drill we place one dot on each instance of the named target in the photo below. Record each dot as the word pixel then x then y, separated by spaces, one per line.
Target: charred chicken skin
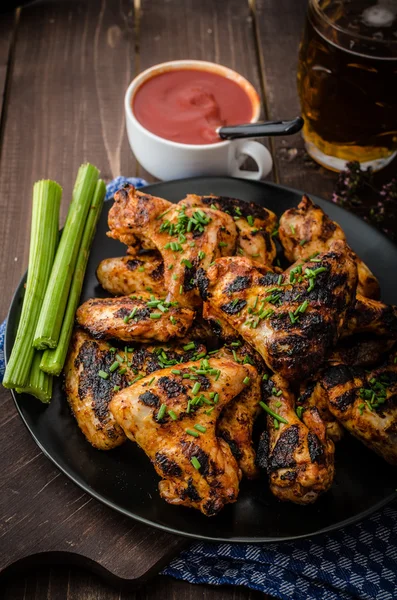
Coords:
pixel 306 230
pixel 365 403
pixel 140 318
pixel 289 317
pixel 176 428
pixel 298 456
pixel 130 275
pixel 255 225
pixel 89 394
pixel 372 316
pixel 186 237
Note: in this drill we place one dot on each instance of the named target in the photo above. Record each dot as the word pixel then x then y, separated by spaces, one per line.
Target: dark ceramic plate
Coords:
pixel 124 479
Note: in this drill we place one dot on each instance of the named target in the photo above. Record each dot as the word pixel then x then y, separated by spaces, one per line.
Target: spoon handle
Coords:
pixel 266 129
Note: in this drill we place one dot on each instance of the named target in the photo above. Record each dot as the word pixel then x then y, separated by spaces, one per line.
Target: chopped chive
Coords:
pixel 161 412
pixel 200 428
pixel 196 388
pixel 247 380
pixel 151 381
pixel 181 290
pixel 164 213
pixel 201 255
pixel 114 366
pixel 195 462
pixel 103 374
pixel 192 432
pixel 141 269
pixel 173 320
pixel 155 316
pixel 265 377
pixel 170 267
pixel 222 244
pixel 299 411
pixel 292 229
pixel 303 306
pixel 116 388
pixel 276 424
pixel 280 280
pixel 187 263
pixel 216 398
pixel 175 371
pixel 272 413
pixel 173 415
pixel 302 242
pixel 122 371
pixel 189 346
pixel 112 349
pixel 250 220
pixel 279 393
pixel 218 374
pixel 278 404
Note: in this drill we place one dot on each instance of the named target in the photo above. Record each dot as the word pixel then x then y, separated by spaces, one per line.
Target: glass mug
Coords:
pixel 347 82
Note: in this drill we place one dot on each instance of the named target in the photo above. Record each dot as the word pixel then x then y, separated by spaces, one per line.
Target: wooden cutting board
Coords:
pixel 45 517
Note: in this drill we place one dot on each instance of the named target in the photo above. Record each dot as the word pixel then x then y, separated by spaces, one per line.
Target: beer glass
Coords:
pixel 347 82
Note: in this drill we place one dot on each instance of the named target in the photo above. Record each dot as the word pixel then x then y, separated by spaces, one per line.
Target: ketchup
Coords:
pixel 188 105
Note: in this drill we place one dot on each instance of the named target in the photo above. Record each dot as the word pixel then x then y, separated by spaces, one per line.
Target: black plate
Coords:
pixel 124 479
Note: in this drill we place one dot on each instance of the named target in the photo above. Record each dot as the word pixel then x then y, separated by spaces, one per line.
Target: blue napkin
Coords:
pixel 357 562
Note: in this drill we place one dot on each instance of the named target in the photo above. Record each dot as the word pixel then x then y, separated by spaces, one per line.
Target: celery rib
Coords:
pixel 53 359
pixel 43 240
pixel 39 384
pixel 53 308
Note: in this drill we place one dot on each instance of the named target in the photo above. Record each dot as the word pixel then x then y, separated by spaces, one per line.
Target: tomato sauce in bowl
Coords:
pixel 187 105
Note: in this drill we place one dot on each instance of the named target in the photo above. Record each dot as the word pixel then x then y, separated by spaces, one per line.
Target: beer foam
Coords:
pixel 380 15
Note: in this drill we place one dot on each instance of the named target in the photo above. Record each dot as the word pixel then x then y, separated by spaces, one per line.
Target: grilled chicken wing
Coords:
pixel 89 394
pixel 187 238
pixel 127 275
pixel 372 316
pixel 313 394
pixel 236 422
pixel 177 430
pixel 134 319
pixel 306 230
pixel 286 318
pixel 365 403
pixel 355 351
pixel 255 224
pixel 297 454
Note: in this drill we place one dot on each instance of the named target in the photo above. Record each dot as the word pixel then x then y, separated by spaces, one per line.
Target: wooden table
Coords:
pixel 64 67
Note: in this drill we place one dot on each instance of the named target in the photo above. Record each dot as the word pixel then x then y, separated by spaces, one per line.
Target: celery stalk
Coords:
pixel 43 240
pixel 53 309
pixel 39 384
pixel 54 359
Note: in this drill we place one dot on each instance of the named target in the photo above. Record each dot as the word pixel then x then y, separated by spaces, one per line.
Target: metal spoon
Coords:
pixel 266 129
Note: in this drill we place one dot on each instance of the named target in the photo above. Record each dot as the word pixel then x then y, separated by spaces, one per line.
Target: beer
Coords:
pixel 347 82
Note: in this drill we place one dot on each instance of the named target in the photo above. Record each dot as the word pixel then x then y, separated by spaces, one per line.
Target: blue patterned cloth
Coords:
pixel 357 562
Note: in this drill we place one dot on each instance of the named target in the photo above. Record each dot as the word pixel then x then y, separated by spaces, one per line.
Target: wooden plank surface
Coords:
pixel 60 583
pixel 72 62
pixel 8 24
pixel 220 32
pixel 44 517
